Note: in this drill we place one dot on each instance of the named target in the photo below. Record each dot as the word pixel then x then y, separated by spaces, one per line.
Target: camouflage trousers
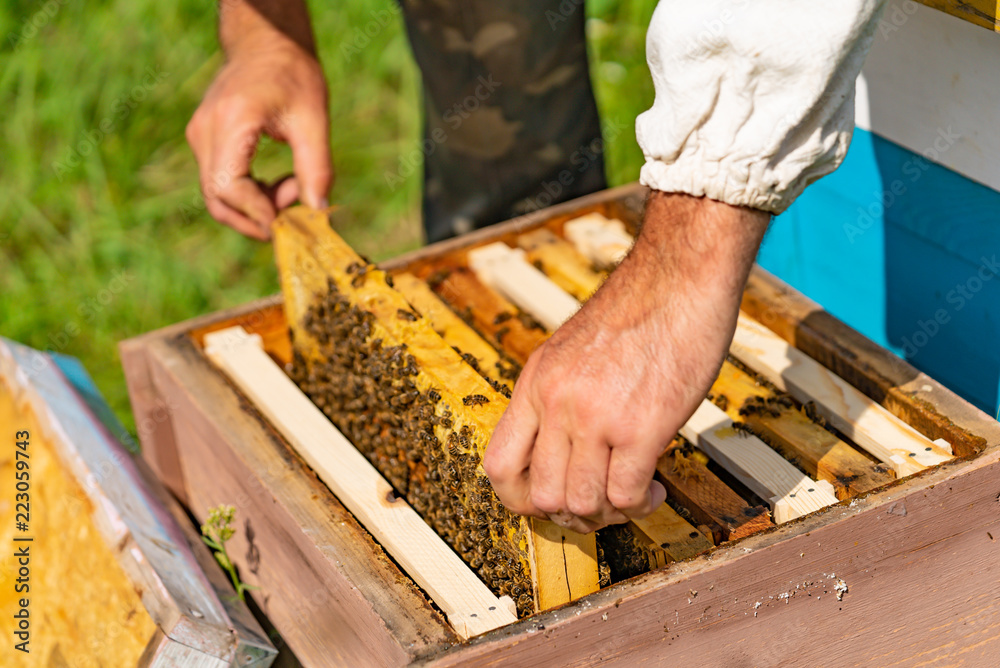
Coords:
pixel 511 124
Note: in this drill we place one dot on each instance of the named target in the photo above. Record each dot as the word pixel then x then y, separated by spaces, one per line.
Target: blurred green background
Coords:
pixel 103 234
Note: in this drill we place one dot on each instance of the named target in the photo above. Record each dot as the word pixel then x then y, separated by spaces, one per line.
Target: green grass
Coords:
pixel 102 232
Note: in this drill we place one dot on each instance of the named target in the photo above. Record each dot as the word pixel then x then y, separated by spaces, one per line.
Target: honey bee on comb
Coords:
pixel 380 366
pixel 475 400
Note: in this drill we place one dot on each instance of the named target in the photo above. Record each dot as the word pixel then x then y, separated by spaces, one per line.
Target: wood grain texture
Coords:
pixel 919 547
pixel 710 500
pixel 767 474
pixel 505 270
pixel 915 593
pixel 564 563
pixel 152 419
pixel 910 395
pixel 492 315
pixel 885 436
pixel 790 432
pixel 469 605
pixel 324 582
pixel 253 648
pixel 561 262
pixel 672 533
pixel 626 203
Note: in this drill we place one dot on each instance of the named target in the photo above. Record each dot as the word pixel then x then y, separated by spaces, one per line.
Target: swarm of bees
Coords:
pixel 622 554
pixel 368 389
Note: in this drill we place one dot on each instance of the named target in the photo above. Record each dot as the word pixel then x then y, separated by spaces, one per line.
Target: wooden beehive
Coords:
pixel 108 568
pixel 888 572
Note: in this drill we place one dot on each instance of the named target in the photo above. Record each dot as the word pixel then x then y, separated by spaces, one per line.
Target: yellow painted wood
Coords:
pixel 983 13
pixel 82 603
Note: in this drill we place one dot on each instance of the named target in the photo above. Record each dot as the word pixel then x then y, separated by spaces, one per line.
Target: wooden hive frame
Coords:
pixel 775 591
pixel 151 593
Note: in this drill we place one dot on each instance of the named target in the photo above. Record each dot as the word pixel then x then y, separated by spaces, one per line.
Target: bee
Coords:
pixel 475 400
pixel 530 323
pixel 389 281
pixel 502 317
pixel 403 314
pixel 809 409
pixel 753 406
pixel 742 429
pixel 721 401
pixel 433 395
pixel 500 333
pixel 507 371
pixel 393 354
pixel 783 400
pixel 438 277
pixel 469 358
pixel 361 273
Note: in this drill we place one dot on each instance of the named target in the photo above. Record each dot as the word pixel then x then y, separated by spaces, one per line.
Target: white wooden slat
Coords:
pixel 845 407
pixel 470 606
pixel 505 270
pixel 789 491
pixel 602 240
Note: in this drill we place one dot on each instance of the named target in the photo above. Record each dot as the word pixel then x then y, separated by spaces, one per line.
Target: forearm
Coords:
pixel 693 238
pixel 684 278
pixel 260 24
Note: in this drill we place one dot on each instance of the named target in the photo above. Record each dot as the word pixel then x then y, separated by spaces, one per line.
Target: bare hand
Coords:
pixel 597 404
pixel 277 90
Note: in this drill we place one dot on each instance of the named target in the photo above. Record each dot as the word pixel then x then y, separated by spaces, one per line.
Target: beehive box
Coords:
pixel 97 569
pixel 890 575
